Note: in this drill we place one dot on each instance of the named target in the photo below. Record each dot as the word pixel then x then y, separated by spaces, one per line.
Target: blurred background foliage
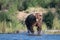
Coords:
pixel 9 9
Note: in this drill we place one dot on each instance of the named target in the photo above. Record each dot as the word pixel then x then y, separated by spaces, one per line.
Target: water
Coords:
pixel 24 36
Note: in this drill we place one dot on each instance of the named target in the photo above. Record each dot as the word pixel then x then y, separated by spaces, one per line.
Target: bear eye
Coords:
pixel 40 15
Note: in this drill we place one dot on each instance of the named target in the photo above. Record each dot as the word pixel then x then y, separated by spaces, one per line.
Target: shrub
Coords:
pixel 48 19
pixel 58 11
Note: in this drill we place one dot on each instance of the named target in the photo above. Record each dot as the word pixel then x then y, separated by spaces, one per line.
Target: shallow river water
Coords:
pixel 24 36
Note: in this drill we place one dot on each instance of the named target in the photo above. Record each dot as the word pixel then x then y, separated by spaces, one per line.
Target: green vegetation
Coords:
pixel 58 11
pixel 48 19
pixel 10 8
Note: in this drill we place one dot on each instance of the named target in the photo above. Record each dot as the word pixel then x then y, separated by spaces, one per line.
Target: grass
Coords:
pixel 20 27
